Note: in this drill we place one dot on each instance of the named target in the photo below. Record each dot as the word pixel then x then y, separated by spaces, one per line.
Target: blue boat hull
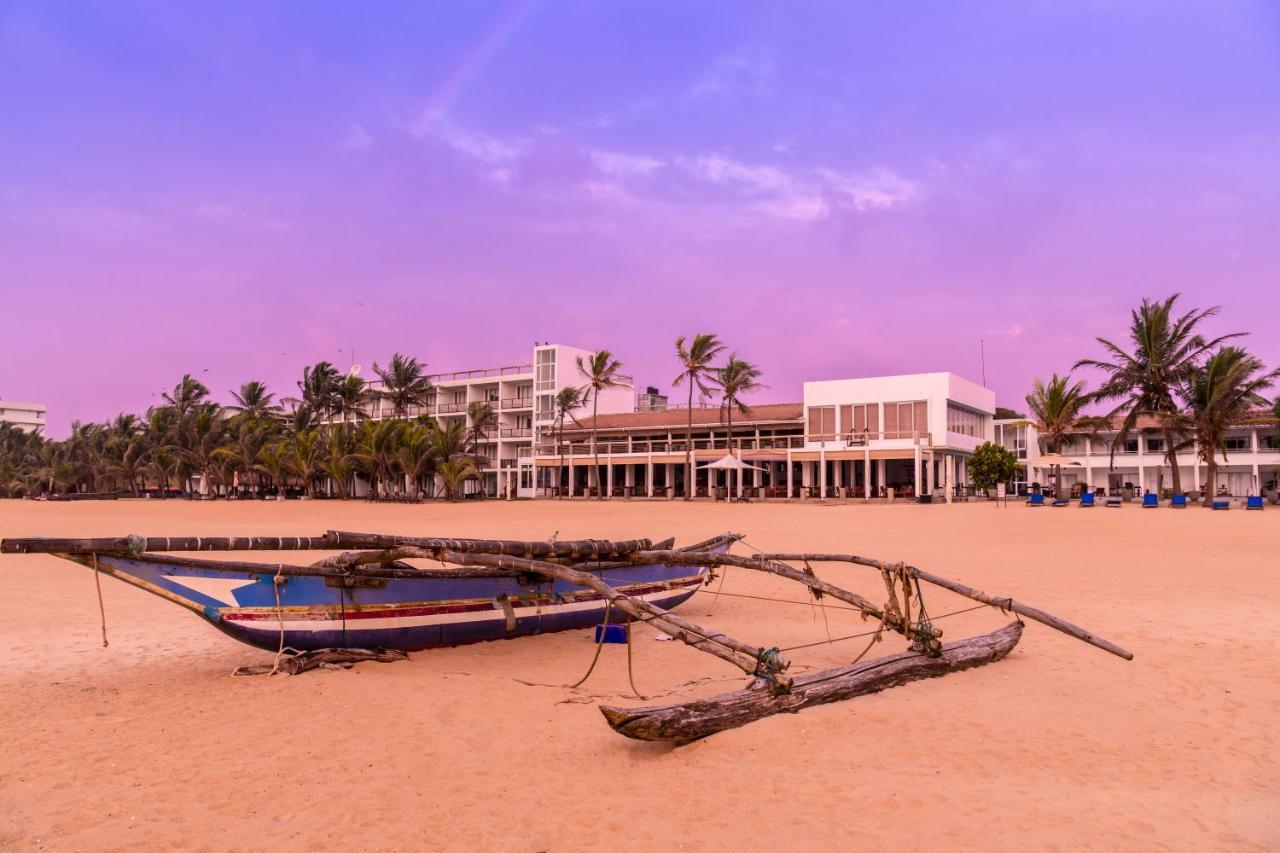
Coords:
pixel 410 614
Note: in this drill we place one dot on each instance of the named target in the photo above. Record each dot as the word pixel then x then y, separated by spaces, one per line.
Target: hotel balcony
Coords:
pixel 615 447
pixel 517 403
pixel 452 408
pixel 517 432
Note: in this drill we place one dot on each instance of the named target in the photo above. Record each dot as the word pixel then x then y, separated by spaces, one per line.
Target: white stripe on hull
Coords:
pixel 272 626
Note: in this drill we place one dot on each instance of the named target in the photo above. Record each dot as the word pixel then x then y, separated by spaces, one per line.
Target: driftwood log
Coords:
pixel 303 661
pixel 688 721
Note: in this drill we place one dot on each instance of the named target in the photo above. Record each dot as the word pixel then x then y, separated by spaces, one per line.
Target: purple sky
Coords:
pixel 239 189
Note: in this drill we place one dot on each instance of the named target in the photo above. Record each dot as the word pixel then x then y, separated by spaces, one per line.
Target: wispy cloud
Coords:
pixel 357 138
pixel 749 71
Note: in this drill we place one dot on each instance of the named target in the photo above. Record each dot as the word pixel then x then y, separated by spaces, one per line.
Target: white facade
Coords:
pixel 28 417
pixel 1249 466
pixel 934 420
pixel 523 397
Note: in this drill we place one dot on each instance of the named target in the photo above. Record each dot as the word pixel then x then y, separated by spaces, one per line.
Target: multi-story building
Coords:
pixel 1247 465
pixel 522 396
pixel 871 437
pixel 27 417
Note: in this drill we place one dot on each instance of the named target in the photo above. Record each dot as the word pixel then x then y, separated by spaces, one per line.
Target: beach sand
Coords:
pixel 151 744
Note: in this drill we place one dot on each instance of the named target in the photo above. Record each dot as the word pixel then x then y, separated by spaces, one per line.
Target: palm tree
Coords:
pixel 736 379
pixel 1057 408
pixel 404 383
pixel 483 420
pixel 318 387
pixel 417 455
pixel 376 447
pixel 304 452
pixel 695 363
pixel 349 397
pixel 199 438
pixel 338 461
pixel 186 395
pixel 454 474
pixel 567 400
pixel 274 461
pixel 1166 350
pixel 601 370
pixel 1221 394
pixel 253 400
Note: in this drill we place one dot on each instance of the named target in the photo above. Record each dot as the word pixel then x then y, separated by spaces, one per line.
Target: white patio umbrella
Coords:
pixel 729 462
pixel 1049 460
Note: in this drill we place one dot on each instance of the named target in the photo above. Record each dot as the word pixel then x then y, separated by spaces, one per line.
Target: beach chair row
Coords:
pixel 1149 501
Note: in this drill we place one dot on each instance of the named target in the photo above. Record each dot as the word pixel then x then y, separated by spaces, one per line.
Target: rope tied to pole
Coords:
pixel 275 585
pixel 608 608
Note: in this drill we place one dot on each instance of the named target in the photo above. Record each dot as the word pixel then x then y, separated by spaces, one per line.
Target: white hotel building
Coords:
pixel 898 436
pixel 1250 464
pixel 27 417
pixel 523 396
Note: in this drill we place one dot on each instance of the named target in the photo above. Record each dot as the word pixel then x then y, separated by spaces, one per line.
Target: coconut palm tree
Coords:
pixel 376 446
pixel 417 455
pixel 253 400
pixel 483 420
pixel 454 474
pixel 349 398
pixel 186 395
pixel 404 383
pixel 318 388
pixel 601 370
pixel 338 460
pixel 696 369
pixel 567 400
pixel 305 451
pixel 1165 350
pixel 1058 410
pixel 199 438
pixel 275 461
pixel 735 380
pixel 1222 393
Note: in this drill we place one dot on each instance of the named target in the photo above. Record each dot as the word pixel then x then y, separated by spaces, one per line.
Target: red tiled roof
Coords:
pixel 762 413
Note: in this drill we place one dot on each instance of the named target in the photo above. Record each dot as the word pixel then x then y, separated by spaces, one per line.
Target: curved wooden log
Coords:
pixel 585 548
pixel 687 721
pixel 1003 602
pixel 139 544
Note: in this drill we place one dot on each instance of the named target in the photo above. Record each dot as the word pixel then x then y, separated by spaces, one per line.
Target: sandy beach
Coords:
pixel 150 743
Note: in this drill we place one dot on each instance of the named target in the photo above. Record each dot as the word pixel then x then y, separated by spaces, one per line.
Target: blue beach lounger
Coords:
pixel 1061 502
pixel 1150 501
pixel 1087 499
pixel 1115 501
pixel 1253 502
pixel 1036 499
pixel 1178 502
pixel 1221 504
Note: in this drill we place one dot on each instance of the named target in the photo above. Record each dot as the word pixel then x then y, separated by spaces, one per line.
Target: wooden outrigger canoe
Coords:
pixel 389 605
pixel 370 597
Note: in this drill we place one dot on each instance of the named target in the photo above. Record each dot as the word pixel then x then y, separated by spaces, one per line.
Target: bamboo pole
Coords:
pixel 140 544
pixel 1006 603
pixel 742 655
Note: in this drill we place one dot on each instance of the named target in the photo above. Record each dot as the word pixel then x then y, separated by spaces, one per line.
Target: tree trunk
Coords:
pixel 1171 455
pixel 688 721
pixel 595 447
pixel 1211 480
pixel 688 447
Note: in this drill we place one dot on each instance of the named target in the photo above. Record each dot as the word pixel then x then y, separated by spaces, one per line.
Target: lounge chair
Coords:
pixel 1178 502
pixel 1036 499
pixel 1087 499
pixel 1253 502
pixel 1221 505
pixel 1061 502
pixel 1115 501
pixel 1150 501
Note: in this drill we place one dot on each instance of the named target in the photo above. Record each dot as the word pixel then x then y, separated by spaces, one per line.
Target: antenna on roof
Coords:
pixel 982 356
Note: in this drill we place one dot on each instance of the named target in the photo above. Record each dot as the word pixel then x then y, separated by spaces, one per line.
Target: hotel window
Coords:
pixel 905 420
pixel 963 422
pixel 822 423
pixel 546 369
pixel 1130 445
pixel 546 410
pixel 1155 445
pixel 491 395
pixel 1236 442
pixel 860 420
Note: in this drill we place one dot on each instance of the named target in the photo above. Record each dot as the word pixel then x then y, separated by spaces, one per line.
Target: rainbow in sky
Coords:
pixel 493 40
